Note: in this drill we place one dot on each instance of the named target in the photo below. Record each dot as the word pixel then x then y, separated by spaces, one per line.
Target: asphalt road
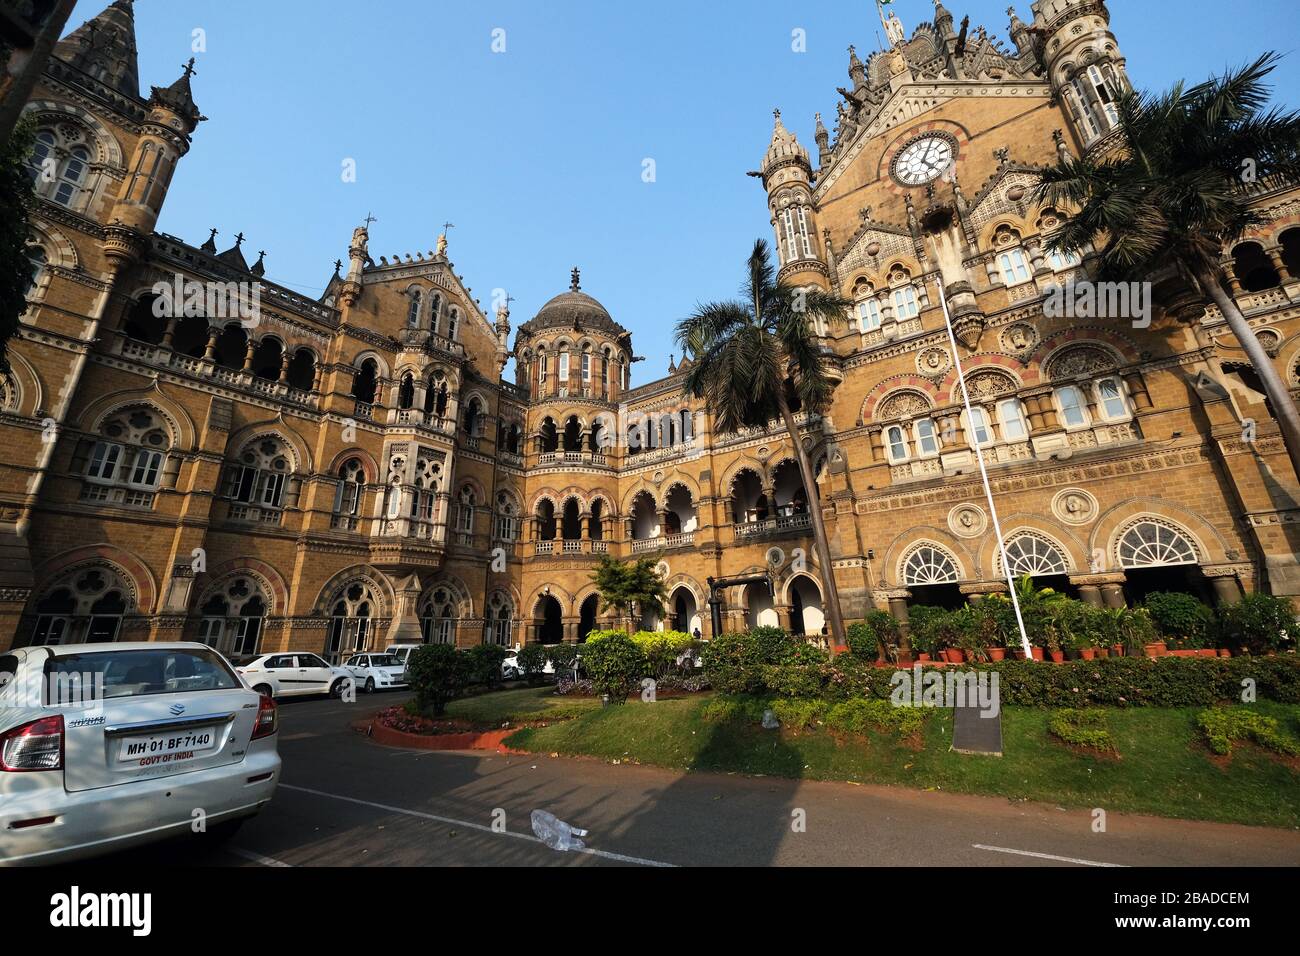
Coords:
pixel 345 801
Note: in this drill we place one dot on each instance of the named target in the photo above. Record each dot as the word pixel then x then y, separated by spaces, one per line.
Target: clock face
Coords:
pixel 924 160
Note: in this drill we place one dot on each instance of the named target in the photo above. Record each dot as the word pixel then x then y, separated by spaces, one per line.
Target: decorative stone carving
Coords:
pixel 1074 506
pixel 1080 360
pixel 988 384
pixel 1270 339
pixel 933 361
pixel 1019 339
pixel 968 328
pixel 967 521
pixel 905 404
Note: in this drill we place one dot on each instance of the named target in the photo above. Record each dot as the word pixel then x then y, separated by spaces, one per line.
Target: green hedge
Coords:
pixel 770 664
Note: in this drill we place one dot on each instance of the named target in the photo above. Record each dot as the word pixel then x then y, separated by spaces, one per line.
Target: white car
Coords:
pixel 376 671
pixel 401 651
pixel 105 746
pixel 293 674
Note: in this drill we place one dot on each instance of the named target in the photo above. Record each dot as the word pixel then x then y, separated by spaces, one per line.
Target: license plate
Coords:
pixel 177 747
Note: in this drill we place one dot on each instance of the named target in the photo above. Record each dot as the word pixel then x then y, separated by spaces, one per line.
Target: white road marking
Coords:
pixel 1042 856
pixel 603 854
pixel 257 857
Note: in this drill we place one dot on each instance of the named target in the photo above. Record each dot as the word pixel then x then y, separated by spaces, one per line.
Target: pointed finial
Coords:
pixel 575 282
pixel 211 244
pixel 338 266
pixel 259 267
pixel 189 69
pixel 239 240
pixel 777 113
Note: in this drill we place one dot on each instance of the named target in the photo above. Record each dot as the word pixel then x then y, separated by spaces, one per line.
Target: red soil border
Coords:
pixel 388 737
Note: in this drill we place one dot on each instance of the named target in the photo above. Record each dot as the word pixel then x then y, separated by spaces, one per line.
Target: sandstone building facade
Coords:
pixel 263 471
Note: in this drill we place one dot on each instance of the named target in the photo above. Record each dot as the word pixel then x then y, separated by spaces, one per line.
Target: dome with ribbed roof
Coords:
pixel 571 309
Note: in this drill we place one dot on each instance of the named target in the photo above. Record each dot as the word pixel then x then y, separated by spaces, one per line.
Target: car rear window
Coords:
pixel 135 673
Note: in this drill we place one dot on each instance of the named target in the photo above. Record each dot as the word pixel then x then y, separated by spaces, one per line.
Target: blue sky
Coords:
pixel 536 154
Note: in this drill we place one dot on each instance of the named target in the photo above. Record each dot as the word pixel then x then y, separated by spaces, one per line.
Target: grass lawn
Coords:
pixel 519 706
pixel 1163 768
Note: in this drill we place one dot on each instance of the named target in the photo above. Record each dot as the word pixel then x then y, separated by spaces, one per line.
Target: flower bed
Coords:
pixel 395 727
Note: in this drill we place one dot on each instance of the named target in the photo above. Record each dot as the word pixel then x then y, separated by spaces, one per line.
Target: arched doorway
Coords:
pixel 806 613
pixel 1157 556
pixel 685 611
pixel 549 619
pixel 587 616
pixel 761 612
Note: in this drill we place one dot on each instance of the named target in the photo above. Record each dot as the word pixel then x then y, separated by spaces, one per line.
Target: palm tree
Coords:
pixel 626 586
pixel 1173 194
pixel 752 358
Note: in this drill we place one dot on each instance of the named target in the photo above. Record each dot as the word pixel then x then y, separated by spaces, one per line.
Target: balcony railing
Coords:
pixel 573 458
pixel 680 539
pixel 785 524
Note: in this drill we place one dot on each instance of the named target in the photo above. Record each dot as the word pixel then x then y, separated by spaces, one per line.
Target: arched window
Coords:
pixel 72 176
pixel 435 307
pixel 438 618
pixel 1035 556
pixel 896 439
pixel 453 322
pixel 406 391
pixel 352 613
pixel 302 370
pixel 927 439
pixel 232 616
pixel 497 620
pixel 472 420
pixel 127 464
pixel 349 494
pixel 1114 405
pixel 259 477
pixel 84 606
pixel 980 432
pixel 929 565
pixel 465 514
pixel 413 309
pixel 1149 544
pixel 505 526
pixel 1014 266
pixel 42 165
pixel 36 262
pixel 1064 260
pixel 365 381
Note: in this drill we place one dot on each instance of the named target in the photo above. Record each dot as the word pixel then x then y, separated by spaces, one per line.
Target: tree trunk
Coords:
pixel 1279 395
pixel 832 593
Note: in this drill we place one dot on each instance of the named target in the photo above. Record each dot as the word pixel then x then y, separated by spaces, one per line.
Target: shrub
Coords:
pixel 1181 619
pixel 438 673
pixel 798 714
pixel 1258 623
pixel 662 649
pixel 1081 728
pixel 734 663
pixel 562 657
pixel 879 632
pixel 859 715
pixel 734 708
pixel 615 665
pixel 922 628
pixel 532 661
pixel 484 664
pixel 1223 725
pixel 795 680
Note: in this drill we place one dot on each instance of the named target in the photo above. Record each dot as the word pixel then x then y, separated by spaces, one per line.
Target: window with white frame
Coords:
pixel 980 432
pixel 1014 267
pixel 348 494
pixel 1061 261
pixel 465 516
pixel 413 309
pixel 1012 417
pixel 790 246
pixel 1085 113
pixel 125 465
pixel 36 261
pixel 564 368
pixel 1104 85
pixel 60 164
pixel 927 439
pixel 869 314
pixel 896 440
pixel 505 526
pixel 1114 405
pixel 804 239
pixel 544 366
pixel 1073 411
pixel 586 367
pixel 905 303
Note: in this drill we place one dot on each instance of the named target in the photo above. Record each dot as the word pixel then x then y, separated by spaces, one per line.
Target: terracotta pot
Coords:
pixel 1101 651
pixel 1117 650
pixel 1018 653
pixel 1207 652
pixel 1038 653
pixel 1224 652
pixel 1058 657
pixel 954 655
pixel 1087 653
pixel 1156 649
pixel 996 653
pixel 1183 653
pixel 923 656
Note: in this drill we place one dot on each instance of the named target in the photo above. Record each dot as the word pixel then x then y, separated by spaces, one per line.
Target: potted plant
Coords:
pixel 1181 621
pixel 1258 624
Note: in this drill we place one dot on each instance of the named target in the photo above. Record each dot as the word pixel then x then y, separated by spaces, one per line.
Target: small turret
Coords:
pixel 1020 34
pixel 823 138
pixel 943 22
pixel 1083 64
pixel 857 73
pixel 787 177
pixel 104 48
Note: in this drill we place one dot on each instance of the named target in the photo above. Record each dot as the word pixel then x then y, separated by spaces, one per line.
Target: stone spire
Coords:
pixel 857 73
pixel 104 48
pixel 823 138
pixel 942 20
pixel 784 148
pixel 179 98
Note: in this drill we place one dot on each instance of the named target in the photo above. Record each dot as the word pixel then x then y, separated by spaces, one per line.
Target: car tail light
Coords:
pixel 37 745
pixel 268 719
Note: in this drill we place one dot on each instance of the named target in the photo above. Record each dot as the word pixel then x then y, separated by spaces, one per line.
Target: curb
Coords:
pixel 388 737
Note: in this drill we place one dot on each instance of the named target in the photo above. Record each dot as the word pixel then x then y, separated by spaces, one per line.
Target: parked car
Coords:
pixel 510 669
pixel 401 651
pixel 293 675
pixel 105 746
pixel 376 671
